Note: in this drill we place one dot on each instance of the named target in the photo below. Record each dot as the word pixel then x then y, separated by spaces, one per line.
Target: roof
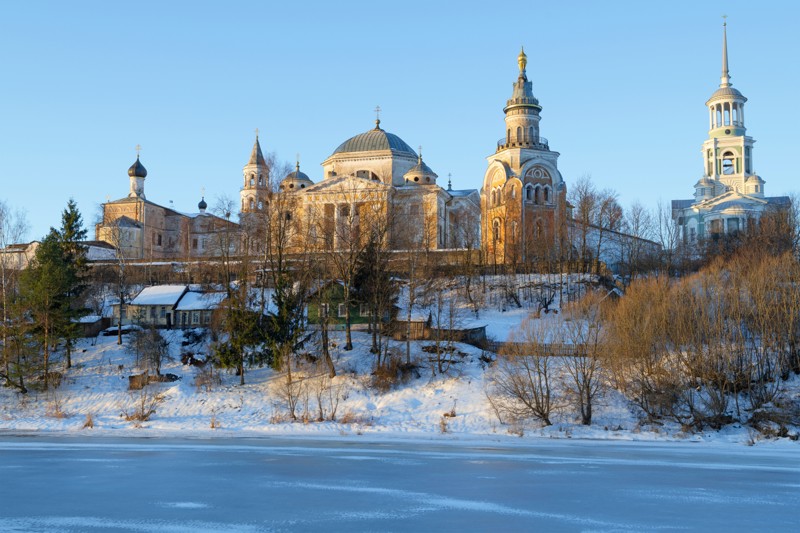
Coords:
pixel 461 192
pixel 160 295
pixel 137 169
pixel 727 92
pixel 256 157
pixel 198 301
pixel 375 140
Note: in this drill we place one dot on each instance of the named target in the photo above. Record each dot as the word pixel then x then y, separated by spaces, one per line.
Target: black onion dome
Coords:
pixel 137 169
pixel 202 205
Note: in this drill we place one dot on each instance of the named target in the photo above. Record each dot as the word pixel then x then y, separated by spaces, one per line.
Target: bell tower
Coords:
pixel 256 181
pixel 728 151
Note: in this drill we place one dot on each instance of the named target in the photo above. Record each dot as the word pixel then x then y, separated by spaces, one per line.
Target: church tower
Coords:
pixel 730 195
pixel 728 151
pixel 523 195
pixel 256 181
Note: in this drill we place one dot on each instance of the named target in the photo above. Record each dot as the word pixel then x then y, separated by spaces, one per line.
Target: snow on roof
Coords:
pixel 160 295
pixel 197 301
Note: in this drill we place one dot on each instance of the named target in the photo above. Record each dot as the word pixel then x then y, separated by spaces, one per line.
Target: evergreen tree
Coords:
pixel 71 237
pixel 44 288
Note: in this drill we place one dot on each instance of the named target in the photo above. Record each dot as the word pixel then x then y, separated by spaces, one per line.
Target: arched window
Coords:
pixel 513 191
pixel 528 193
pixel 252 203
pixel 514 231
pixel 537 195
pixel 726 109
pixel 496 231
pixel 252 181
pixel 260 205
pixel 260 180
pixel 547 195
pixel 519 134
pixel 728 163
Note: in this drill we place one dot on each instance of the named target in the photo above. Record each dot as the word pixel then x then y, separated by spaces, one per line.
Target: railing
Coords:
pixel 539 142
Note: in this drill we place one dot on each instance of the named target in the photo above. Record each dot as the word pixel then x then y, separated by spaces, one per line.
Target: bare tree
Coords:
pixel 523 383
pixel 13 227
pixel 585 332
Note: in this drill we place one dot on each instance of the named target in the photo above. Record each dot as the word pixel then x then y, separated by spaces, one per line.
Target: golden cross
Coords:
pixel 377 112
pixel 724 20
pixel 138 149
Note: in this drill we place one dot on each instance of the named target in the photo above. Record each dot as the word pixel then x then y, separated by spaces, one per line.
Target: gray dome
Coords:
pixel 137 170
pixel 375 140
pixel 420 173
pixel 726 92
pixel 296 179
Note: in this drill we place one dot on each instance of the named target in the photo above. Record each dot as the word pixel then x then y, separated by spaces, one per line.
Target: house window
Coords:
pixel 342 311
pixel 194 244
pixel 163 313
pixel 152 312
pixel 195 317
pixel 206 317
pixel 159 240
pixel 323 310
pixel 363 310
pixel 123 313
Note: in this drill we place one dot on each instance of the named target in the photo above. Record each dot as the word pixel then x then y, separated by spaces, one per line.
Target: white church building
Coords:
pixel 730 194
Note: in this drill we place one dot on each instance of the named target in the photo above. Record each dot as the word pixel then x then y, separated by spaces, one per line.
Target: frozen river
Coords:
pixel 355 484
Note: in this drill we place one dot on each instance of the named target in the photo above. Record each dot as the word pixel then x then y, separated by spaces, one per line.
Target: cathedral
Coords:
pixel 373 181
pixel 730 194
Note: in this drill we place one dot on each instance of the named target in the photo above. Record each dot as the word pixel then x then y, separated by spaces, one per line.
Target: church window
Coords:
pixel 727 112
pixel 529 193
pixel 416 178
pixel 508 136
pixel 291 185
pixel 530 134
pixel 514 231
pixel 252 182
pixel 547 195
pixel 718 114
pixel 519 134
pixel 537 195
pixel 194 243
pixel 288 215
pixel 302 186
pixel 252 204
pixel 428 179
pixel 260 204
pixel 496 231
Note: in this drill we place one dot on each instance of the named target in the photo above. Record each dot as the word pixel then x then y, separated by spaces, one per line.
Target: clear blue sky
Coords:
pixel 622 84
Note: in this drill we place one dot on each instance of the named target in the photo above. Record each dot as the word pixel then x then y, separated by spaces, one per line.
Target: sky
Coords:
pixel 623 87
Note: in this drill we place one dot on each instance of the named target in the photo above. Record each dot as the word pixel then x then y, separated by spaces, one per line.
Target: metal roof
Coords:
pixel 375 140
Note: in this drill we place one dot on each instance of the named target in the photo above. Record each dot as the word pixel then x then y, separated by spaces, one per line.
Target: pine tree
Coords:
pixel 71 237
pixel 44 288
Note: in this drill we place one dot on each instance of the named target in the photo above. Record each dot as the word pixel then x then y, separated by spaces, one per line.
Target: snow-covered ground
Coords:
pixel 97 386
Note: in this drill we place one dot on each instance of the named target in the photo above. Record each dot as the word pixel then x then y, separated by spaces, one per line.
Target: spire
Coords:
pixel 449 181
pixel 522 60
pixel 725 80
pixel 256 157
pixel 377 117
